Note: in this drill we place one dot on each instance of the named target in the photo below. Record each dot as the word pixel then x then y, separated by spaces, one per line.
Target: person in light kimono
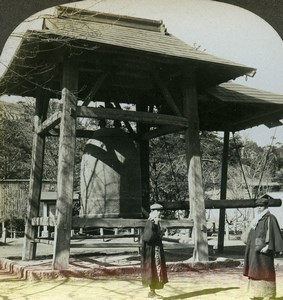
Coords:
pixel 263 243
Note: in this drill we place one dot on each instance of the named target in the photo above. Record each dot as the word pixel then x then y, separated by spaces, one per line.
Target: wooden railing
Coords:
pixel 83 223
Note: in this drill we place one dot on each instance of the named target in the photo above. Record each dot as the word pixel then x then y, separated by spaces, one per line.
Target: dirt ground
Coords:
pixel 218 283
pixel 203 285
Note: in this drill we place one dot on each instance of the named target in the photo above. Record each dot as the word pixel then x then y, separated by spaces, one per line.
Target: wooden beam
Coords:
pixel 66 161
pixel 81 133
pixel 127 123
pixel 193 156
pixel 29 248
pixel 126 223
pixel 105 236
pixel 99 245
pixel 84 222
pixel 240 203
pixel 76 244
pixel 89 221
pixel 134 116
pixel 219 204
pixel 167 95
pixel 174 245
pixel 50 123
pixel 161 131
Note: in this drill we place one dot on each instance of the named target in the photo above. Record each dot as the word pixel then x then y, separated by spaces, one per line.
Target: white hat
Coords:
pixel 156 206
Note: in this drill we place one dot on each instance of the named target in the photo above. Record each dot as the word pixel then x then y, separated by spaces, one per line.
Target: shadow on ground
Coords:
pixel 199 293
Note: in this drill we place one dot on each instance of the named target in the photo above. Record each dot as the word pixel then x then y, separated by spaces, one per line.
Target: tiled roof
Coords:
pixel 106 42
pixel 136 37
pixel 231 92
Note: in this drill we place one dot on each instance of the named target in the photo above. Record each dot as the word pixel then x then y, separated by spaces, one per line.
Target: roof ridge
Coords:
pixel 108 18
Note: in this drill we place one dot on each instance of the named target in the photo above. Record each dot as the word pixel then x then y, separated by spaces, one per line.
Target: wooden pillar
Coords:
pixel 66 161
pixel 144 162
pixel 193 155
pixel 41 107
pixel 223 192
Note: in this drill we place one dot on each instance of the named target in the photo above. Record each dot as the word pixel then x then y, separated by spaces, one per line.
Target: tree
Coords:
pixel 16 142
pixel 168 169
pixel 168 166
pixel 211 148
pixel 252 168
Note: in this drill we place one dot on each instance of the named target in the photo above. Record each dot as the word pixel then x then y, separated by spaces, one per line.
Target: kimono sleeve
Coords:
pixel 150 234
pixel 275 242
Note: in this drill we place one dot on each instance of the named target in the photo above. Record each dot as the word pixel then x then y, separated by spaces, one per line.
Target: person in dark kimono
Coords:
pixel 263 243
pixel 153 265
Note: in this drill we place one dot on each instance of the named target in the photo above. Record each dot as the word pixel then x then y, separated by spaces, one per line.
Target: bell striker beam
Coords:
pixel 66 162
pixel 193 156
pixel 29 247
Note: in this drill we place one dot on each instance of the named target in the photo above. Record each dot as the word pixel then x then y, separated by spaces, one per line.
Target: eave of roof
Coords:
pixel 232 92
pixel 240 107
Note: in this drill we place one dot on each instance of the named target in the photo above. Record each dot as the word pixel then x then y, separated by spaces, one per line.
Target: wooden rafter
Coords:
pixel 167 95
pixel 83 133
pixel 50 123
pixel 160 131
pixel 95 88
pixel 128 125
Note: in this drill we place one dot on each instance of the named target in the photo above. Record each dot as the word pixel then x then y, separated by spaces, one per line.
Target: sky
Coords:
pixel 220 29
